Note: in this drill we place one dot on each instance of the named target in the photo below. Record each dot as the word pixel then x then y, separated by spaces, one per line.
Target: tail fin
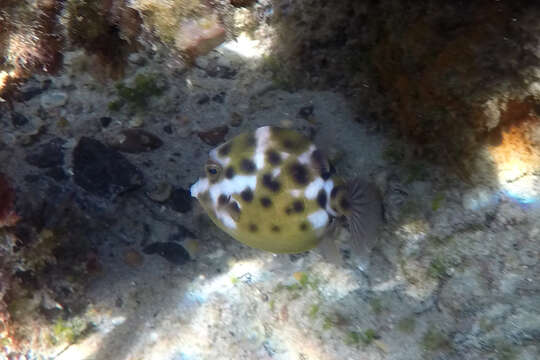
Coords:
pixel 365 218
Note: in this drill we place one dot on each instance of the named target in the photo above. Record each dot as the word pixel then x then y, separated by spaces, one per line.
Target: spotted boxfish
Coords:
pixel 272 189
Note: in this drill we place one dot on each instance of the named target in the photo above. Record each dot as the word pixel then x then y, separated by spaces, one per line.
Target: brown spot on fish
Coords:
pixel 247 166
pixel 298 206
pixel 270 183
pixel 344 203
pixel 266 202
pixel 247 195
pixel 303 226
pixel 253 227
pixel 273 157
pixel 229 172
pixel 234 210
pixel 275 228
pixel 299 173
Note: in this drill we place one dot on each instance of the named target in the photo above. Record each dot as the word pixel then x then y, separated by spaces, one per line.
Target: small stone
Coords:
pixel 197 37
pixel 171 251
pixel 18 119
pixel 132 258
pixel 47 155
pixel 306 112
pixel 219 98
pixel 136 59
pixel 105 121
pixel 203 99
pixel 161 193
pixel 180 200
pixel 57 173
pixel 236 119
pixel 168 129
pixel 135 141
pixel 242 3
pixel 53 99
pixel 136 121
pixel 102 170
pixel 214 136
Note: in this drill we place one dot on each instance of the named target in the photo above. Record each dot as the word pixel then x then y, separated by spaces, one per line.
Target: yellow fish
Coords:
pixel 272 189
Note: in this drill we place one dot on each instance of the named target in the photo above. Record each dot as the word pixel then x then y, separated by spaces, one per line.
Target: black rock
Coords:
pixel 306 112
pixel 180 200
pixel 103 171
pixel 57 173
pixel 47 155
pixel 105 121
pixel 219 98
pixel 168 129
pixel 181 234
pixel 18 119
pixel 136 141
pixel 171 251
pixel 203 99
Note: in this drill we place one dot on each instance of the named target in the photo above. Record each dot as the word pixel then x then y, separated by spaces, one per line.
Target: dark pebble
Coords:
pixel 214 136
pixel 181 234
pixel 219 98
pixel 18 119
pixel 171 251
pixel 223 72
pixel 102 170
pixel 236 119
pixel 136 141
pixel 306 112
pixel 57 173
pixel 168 129
pixel 105 121
pixel 203 99
pixel 180 200
pixel 47 155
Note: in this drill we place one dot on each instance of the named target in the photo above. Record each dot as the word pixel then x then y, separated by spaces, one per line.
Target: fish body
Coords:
pixel 272 189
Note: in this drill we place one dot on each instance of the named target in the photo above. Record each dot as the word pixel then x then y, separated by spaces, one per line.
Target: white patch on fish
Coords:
pixel 225 219
pixel 313 188
pixel 276 172
pixel 228 187
pixel 262 136
pixel 223 161
pixel 295 192
pixel 305 157
pixel 199 187
pixel 328 186
pixel 318 219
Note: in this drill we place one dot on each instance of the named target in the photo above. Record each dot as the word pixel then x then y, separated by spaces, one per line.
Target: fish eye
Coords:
pixel 213 170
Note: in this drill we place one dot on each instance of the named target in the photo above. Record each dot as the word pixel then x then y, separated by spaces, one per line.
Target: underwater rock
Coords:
pixel 180 200
pixel 8 217
pixel 306 112
pixel 57 173
pixel 197 37
pixel 105 121
pixel 132 258
pixel 214 136
pixel 160 193
pixel 18 119
pixel 219 98
pixel 47 155
pixel 53 99
pixel 171 251
pixel 135 141
pixel 203 99
pixel 102 170
pixel 136 59
pixel 236 119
